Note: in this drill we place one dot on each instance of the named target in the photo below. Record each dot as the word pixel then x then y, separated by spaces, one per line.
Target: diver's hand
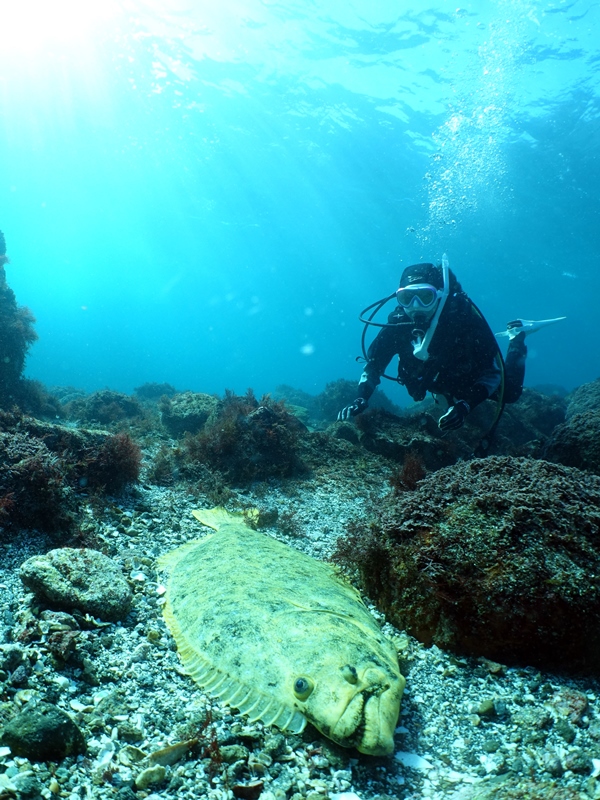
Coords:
pixel 357 407
pixel 455 417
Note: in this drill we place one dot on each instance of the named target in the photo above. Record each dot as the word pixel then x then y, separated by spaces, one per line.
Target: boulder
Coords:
pixel 43 732
pixel 576 443
pixel 494 557
pixel 187 412
pixel 585 398
pixel 85 580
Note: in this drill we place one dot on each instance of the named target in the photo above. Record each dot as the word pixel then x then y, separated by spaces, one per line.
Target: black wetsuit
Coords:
pixel 463 359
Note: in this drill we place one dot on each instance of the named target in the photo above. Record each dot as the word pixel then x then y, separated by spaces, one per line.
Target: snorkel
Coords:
pixel 422 340
pixel 421 347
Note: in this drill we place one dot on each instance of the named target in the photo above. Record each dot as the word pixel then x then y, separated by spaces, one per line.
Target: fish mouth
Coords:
pixel 369 720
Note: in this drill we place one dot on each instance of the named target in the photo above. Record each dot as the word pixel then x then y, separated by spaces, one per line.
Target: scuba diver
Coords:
pixel 444 346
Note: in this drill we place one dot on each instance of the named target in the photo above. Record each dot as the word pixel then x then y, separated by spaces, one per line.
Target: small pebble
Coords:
pixel 150 776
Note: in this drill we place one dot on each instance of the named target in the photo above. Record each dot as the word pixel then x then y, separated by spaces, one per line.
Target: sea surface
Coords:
pixel 208 193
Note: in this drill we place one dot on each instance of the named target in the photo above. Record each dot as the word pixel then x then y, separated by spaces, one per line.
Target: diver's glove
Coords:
pixel 357 407
pixel 455 417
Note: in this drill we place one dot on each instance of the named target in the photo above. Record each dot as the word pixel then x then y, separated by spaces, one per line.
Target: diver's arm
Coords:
pixel 380 353
pixel 366 386
pixel 484 387
pixel 368 382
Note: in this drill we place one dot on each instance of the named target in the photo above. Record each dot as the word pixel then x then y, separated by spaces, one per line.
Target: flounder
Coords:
pixel 280 636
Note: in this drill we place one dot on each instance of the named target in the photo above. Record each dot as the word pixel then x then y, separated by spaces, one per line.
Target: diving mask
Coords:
pixel 418 297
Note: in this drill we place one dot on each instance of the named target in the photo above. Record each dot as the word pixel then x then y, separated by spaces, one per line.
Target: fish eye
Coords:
pixel 350 674
pixel 303 687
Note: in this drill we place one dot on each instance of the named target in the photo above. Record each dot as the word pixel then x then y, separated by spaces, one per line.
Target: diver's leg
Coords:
pixel 514 368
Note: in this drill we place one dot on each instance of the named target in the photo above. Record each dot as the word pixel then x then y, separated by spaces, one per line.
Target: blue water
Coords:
pixel 207 193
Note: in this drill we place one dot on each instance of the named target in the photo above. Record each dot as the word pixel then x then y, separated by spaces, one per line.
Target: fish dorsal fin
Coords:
pixel 217 517
pixel 236 693
pixel 168 560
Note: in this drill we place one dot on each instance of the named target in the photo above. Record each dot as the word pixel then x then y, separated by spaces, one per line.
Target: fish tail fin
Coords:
pixel 215 517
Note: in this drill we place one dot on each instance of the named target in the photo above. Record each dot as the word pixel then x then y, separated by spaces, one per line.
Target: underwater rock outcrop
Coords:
pixel 527 424
pixel 342 392
pixel 44 466
pixel 34 486
pixel 399 437
pixel 320 410
pixel 585 398
pixel 495 557
pixel 104 407
pixel 17 334
pixel 111 466
pixel 304 405
pixel 186 412
pixel 153 392
pixel 576 443
pixel 245 440
pixel 413 433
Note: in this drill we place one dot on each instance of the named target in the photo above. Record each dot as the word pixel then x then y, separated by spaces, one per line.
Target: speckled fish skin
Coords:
pixel 279 636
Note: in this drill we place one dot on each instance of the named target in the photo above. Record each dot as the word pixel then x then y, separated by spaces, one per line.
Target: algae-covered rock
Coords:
pixel 495 557
pixel 413 434
pixel 187 412
pixel 576 443
pixel 34 491
pixel 43 466
pixel 304 405
pixel 153 392
pixel 527 423
pixel 342 392
pixel 246 439
pixel 82 579
pixel 104 407
pixel 43 733
pixel 585 398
